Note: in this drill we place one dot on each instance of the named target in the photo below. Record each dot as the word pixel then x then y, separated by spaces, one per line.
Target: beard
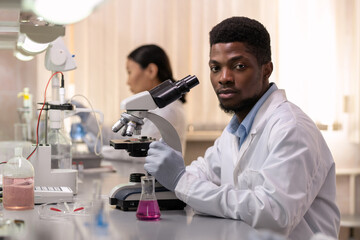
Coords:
pixel 244 105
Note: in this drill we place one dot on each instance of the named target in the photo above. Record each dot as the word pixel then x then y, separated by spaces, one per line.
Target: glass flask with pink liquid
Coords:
pixel 18 183
pixel 148 208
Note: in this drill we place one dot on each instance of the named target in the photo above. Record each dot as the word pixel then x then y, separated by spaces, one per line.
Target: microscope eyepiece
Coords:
pixel 169 91
pixel 189 81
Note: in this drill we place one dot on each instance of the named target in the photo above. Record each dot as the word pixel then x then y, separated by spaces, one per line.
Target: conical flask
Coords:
pixel 148 208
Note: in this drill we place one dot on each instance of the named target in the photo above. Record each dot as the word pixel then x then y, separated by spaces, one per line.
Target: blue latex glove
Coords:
pixel 165 164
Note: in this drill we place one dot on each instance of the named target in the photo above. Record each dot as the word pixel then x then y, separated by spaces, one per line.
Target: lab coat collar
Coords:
pixel 274 100
pixel 241 130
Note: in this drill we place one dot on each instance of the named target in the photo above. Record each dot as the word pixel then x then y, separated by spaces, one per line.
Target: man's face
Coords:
pixel 237 78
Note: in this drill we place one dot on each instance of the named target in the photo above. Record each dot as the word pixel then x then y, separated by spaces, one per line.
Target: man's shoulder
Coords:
pixel 289 114
pixel 279 108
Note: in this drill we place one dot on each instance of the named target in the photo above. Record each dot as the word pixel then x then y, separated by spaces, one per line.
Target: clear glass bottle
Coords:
pixel 18 183
pixel 61 156
pixel 148 208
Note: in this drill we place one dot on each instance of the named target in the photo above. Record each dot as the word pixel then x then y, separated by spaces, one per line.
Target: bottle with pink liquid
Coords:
pixel 18 183
pixel 148 208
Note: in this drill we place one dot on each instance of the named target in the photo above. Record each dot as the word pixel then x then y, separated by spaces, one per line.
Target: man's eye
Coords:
pixel 239 66
pixel 214 69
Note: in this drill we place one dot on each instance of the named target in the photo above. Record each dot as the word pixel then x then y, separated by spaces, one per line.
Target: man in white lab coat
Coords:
pixel 271 167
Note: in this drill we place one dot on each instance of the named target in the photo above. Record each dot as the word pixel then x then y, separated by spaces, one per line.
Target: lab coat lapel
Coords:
pixel 238 155
pixel 230 159
pixel 273 101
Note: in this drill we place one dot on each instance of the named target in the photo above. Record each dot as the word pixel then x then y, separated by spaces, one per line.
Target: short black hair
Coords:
pixel 248 31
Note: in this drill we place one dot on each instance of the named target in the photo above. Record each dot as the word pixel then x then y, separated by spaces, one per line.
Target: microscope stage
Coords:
pixel 137 147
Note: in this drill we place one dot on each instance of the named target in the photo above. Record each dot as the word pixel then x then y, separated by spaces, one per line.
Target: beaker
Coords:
pixel 148 208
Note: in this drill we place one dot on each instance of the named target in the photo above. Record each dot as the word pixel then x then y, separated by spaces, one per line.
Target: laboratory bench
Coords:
pixel 174 224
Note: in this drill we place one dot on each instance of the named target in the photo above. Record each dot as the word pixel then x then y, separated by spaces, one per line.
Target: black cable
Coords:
pixel 62 81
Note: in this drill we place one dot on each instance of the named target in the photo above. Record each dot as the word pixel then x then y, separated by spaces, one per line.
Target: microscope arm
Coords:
pixel 167 131
pixel 139 101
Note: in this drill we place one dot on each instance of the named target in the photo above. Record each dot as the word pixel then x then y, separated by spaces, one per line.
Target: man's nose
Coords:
pixel 226 76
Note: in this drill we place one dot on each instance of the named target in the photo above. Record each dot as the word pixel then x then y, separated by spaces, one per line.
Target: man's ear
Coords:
pixel 267 70
pixel 152 70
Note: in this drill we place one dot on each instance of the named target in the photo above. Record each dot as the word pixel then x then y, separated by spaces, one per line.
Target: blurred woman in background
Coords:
pixel 147 67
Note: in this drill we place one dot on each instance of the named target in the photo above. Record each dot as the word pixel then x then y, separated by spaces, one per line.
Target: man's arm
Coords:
pixel 275 196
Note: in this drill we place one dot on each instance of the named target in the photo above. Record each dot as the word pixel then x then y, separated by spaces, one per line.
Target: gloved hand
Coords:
pixel 165 164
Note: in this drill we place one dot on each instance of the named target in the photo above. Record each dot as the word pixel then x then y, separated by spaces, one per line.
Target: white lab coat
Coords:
pixel 173 113
pixel 282 178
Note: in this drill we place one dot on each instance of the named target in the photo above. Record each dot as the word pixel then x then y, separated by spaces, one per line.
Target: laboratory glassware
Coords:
pixel 148 208
pixel 61 156
pixel 60 149
pixel 18 183
pixel 23 129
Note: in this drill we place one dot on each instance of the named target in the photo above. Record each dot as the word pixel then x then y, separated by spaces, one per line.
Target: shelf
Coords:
pixel 352 173
pixel 350 220
pixel 347 171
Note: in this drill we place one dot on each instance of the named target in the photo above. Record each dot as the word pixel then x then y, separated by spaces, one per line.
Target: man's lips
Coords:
pixel 226 93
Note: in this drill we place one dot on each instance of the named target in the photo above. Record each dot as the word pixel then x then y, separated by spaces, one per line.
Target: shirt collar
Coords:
pixel 242 130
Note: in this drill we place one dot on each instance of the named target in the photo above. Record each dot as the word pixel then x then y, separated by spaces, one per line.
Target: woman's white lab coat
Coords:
pixel 282 178
pixel 173 113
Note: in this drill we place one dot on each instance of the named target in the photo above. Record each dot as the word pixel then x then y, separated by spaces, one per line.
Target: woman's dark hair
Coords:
pixel 151 53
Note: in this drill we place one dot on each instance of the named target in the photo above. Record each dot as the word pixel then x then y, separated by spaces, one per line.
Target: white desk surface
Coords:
pixel 174 224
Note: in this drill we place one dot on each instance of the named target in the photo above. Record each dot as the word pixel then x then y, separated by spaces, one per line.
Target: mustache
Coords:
pixel 226 90
pixel 245 105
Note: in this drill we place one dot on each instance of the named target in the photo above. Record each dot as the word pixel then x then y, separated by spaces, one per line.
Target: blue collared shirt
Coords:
pixel 242 130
